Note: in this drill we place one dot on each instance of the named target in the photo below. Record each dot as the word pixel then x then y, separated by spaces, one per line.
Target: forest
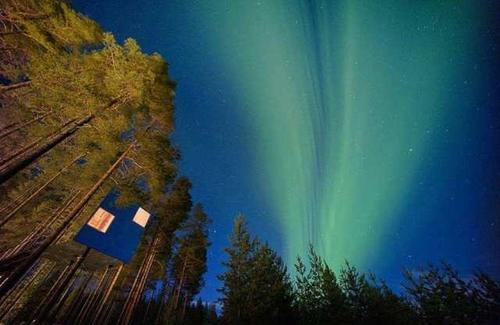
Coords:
pixel 82 115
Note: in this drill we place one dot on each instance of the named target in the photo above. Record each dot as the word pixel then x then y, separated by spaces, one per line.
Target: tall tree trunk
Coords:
pixel 46 298
pixel 145 317
pixel 105 298
pixel 99 296
pixel 9 258
pixel 163 300
pixel 76 303
pixel 131 292
pixel 34 144
pixel 108 312
pixel 4 89
pixel 184 304
pixel 139 283
pixel 12 203
pixel 82 315
pixel 181 283
pixel 14 164
pixel 52 315
pixel 8 126
pixel 142 285
pixel 14 277
pixel 59 287
pixel 19 293
pixel 4 133
pixel 38 191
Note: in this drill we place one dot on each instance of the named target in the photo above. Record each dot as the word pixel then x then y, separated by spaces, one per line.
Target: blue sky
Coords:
pixel 403 170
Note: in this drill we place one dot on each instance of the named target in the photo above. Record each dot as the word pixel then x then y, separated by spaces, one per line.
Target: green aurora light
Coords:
pixel 344 100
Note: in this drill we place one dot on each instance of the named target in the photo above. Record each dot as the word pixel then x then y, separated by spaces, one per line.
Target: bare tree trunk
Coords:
pixel 106 295
pixel 12 203
pixel 99 296
pixel 139 283
pixel 184 307
pixel 108 313
pixel 38 191
pixel 62 300
pixel 5 133
pixel 82 315
pixel 52 288
pixel 20 293
pixel 5 297
pixel 20 251
pixel 14 277
pixel 145 317
pixel 59 287
pixel 77 301
pixel 14 164
pixel 163 300
pixel 181 283
pixel 142 285
pixel 4 89
pixel 125 307
pixel 8 126
pixel 33 144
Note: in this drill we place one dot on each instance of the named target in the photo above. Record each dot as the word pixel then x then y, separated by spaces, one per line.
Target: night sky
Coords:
pixel 369 129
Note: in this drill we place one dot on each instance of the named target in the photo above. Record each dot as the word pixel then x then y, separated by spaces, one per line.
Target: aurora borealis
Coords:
pixel 348 103
pixel 369 129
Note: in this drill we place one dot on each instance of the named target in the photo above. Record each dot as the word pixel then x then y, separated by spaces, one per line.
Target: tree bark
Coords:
pixel 106 295
pixel 52 315
pixel 22 249
pixel 184 307
pixel 17 85
pixel 8 126
pixel 14 164
pixel 142 284
pixel 139 283
pixel 181 283
pixel 9 130
pixel 108 312
pixel 61 284
pixel 52 288
pixel 164 293
pixel 82 316
pixel 12 203
pixel 40 189
pixel 20 293
pixel 14 277
pixel 76 302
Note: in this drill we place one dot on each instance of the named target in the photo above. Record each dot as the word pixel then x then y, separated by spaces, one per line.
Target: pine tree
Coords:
pixel 442 296
pixel 68 88
pixel 236 286
pixel 272 296
pixel 256 287
pixel 190 260
pixel 319 298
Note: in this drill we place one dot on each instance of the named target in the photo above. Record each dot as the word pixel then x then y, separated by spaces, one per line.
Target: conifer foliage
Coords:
pixel 256 289
pixel 256 286
pixel 81 114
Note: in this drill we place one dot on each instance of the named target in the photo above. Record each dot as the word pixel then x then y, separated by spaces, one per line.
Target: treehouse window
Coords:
pixel 141 217
pixel 101 220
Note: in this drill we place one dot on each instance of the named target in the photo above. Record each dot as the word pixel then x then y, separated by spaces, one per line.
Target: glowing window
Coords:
pixel 101 220
pixel 141 217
